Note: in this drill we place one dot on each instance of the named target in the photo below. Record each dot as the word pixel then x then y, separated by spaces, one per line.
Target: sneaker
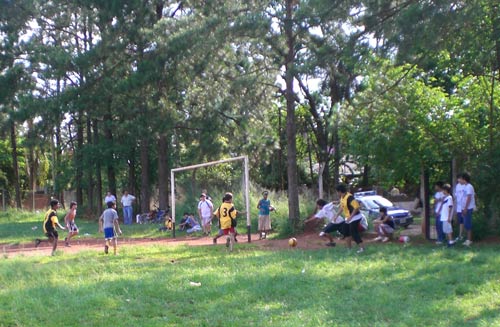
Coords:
pixel 385 239
pixel 467 243
pixel 228 240
pixel 460 238
pixel 378 238
pixel 106 249
pixel 331 244
pixel 37 242
pixel 451 243
pixel 360 250
pixel 214 240
pixel 439 243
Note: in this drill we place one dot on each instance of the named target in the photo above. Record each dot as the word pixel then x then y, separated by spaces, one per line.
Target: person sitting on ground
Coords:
pixel 327 210
pixel 191 225
pixel 182 224
pixel 384 226
pixel 168 225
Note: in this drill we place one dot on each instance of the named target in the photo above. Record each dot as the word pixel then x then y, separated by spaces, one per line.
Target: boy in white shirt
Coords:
pixel 327 210
pixel 438 200
pixel 447 214
pixel 469 205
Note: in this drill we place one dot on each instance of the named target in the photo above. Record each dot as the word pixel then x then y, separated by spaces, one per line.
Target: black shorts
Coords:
pixel 331 227
pixel 52 234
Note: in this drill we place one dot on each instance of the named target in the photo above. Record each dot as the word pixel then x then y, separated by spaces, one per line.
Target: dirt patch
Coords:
pixel 308 240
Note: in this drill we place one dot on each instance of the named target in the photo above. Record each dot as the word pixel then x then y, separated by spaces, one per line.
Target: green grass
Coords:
pixel 389 285
pixel 21 227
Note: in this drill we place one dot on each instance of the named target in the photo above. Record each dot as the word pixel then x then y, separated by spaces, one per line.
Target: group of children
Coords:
pixel 445 204
pixel 51 223
pixel 108 224
pixel 463 202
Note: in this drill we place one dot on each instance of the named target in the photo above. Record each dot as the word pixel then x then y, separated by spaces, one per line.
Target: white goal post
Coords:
pixel 212 163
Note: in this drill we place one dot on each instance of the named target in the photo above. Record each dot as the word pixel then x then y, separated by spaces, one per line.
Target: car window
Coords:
pixel 383 202
pixel 369 204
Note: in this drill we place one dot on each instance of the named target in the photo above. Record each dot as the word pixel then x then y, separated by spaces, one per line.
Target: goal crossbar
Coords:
pixel 212 163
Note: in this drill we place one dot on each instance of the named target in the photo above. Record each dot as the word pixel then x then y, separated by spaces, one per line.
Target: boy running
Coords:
pixel 69 220
pixel 327 210
pixel 227 217
pixel 50 223
pixel 350 207
pixel 108 223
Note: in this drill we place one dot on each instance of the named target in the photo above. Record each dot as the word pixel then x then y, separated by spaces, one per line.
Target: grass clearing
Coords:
pixel 156 285
pixel 389 285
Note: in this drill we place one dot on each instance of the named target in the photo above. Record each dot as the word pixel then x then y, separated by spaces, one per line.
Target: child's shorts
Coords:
pixel 226 231
pixel 447 227
pixel 109 233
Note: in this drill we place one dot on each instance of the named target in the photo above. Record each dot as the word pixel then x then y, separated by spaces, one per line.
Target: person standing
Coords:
pixel 265 208
pixel 438 200
pixel 128 211
pixel 469 200
pixel 205 208
pixel 69 221
pixel 109 198
pixel 350 207
pixel 458 196
pixel 327 210
pixel 108 223
pixel 446 214
pixel 50 223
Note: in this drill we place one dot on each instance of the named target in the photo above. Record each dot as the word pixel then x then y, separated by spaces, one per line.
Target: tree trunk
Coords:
pixel 291 126
pixel 79 158
pixel 145 196
pixel 88 166
pixel 108 135
pixel 15 164
pixel 98 176
pixel 163 171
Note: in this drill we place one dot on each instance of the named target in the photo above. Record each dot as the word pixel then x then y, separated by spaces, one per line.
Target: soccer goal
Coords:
pixel 244 186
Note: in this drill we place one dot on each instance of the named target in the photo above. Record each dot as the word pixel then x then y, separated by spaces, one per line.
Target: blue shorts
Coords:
pixel 468 220
pixel 109 233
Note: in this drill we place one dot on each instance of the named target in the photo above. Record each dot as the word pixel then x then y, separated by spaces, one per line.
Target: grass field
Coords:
pixel 388 285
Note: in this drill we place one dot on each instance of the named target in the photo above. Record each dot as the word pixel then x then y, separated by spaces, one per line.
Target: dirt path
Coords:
pixel 309 240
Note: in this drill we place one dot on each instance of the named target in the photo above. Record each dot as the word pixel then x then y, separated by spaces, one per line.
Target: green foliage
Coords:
pixel 398 130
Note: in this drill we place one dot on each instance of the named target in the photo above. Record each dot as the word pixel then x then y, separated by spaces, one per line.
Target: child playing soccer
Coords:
pixel 108 223
pixel 50 223
pixel 227 219
pixel 69 220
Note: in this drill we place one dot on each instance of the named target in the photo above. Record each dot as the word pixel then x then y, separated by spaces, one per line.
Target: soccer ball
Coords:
pixel 292 242
pixel 404 239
